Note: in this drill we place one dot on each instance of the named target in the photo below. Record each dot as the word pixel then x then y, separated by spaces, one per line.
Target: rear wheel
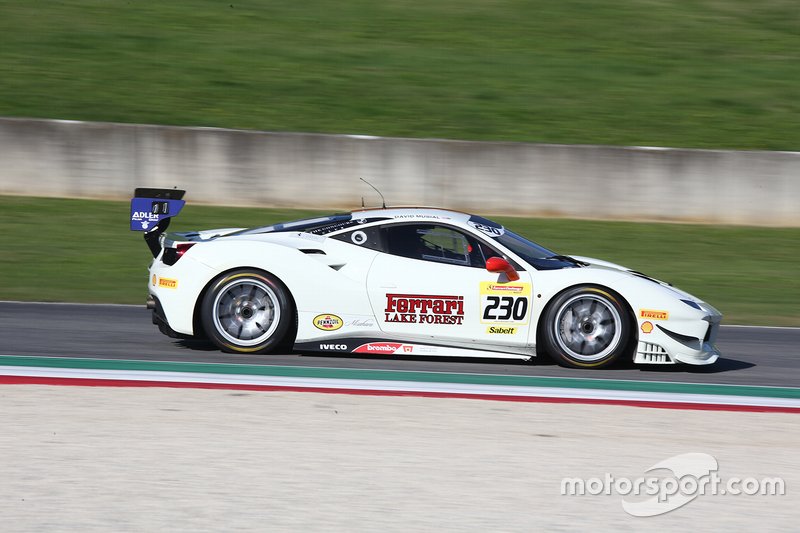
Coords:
pixel 587 327
pixel 247 311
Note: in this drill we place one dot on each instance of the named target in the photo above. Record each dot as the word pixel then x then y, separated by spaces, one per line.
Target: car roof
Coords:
pixel 337 222
pixel 432 213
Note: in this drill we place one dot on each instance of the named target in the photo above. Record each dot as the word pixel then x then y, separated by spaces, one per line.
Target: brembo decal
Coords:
pixel 328 322
pixel 505 303
pixel 379 347
pixel 424 309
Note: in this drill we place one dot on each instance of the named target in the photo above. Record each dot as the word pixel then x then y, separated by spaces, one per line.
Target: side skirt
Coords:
pixel 378 346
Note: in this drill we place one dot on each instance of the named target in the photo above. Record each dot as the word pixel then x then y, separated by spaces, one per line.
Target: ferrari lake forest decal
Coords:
pixel 424 309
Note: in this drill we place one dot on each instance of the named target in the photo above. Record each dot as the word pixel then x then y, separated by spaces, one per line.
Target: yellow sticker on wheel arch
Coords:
pixel 168 283
pixel 653 314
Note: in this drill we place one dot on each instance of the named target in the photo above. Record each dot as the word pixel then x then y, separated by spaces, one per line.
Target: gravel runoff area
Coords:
pixel 116 459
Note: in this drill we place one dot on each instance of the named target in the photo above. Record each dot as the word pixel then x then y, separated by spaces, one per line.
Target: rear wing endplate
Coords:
pixel 151 211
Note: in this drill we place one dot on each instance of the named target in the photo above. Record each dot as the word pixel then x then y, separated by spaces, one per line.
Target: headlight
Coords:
pixel 692 303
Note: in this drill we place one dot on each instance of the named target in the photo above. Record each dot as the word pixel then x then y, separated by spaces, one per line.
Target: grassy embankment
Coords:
pixel 641 72
pixel 79 250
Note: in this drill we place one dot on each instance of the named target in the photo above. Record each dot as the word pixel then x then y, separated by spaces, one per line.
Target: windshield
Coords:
pixel 537 256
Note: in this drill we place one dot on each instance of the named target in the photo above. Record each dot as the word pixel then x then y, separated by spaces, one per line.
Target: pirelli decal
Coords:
pixel 424 309
pixel 168 283
pixel 653 315
pixel 505 303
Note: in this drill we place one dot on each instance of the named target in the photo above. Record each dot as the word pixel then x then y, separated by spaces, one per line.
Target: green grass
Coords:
pixel 82 251
pixel 701 73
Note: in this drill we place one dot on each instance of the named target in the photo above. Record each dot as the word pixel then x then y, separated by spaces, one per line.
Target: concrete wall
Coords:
pixel 101 160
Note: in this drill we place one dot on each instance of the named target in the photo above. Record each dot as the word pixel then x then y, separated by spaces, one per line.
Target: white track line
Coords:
pixel 142 305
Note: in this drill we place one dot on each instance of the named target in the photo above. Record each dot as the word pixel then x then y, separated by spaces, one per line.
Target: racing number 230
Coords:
pixel 505 308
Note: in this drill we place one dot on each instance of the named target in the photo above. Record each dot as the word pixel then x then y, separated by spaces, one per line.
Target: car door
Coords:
pixel 430 284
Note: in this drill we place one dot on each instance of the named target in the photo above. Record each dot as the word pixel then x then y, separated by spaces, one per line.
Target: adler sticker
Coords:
pixel 168 283
pixel 653 315
pixel 328 322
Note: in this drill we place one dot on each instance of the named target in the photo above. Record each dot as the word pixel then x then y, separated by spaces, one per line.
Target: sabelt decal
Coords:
pixel 647 327
pixel 328 322
pixel 424 309
pixel 653 315
pixel 500 330
pixel 379 347
pixel 168 283
pixel 505 303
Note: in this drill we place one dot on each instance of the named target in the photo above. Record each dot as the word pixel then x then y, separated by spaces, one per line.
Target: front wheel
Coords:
pixel 587 327
pixel 247 311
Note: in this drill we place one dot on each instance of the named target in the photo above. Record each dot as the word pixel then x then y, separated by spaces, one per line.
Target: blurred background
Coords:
pixel 694 74
pixel 576 115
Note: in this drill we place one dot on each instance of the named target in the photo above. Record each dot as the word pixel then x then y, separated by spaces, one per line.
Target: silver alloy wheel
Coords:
pixel 246 312
pixel 588 327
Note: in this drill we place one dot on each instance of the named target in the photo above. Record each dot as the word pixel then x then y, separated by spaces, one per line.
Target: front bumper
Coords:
pixel 689 342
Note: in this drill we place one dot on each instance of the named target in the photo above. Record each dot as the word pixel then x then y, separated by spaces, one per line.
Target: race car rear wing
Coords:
pixel 151 212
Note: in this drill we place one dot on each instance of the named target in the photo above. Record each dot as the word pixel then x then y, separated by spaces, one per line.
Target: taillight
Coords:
pixel 182 247
pixel 171 255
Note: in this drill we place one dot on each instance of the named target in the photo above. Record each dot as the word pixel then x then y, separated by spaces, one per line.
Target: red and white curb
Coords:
pixel 137 378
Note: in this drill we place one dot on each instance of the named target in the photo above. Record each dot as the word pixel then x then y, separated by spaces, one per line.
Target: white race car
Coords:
pixel 410 281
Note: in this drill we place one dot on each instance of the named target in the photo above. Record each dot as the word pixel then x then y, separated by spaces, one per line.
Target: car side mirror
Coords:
pixel 498 264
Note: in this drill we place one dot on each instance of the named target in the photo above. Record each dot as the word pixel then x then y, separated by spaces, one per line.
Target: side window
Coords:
pixel 365 237
pixel 431 242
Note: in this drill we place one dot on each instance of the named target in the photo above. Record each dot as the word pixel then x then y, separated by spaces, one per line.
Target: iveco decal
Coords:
pixel 337 347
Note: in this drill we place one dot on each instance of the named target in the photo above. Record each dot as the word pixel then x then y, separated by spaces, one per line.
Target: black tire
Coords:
pixel 587 327
pixel 247 311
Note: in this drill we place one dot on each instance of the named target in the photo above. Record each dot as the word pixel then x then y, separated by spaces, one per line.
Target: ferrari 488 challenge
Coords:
pixel 410 281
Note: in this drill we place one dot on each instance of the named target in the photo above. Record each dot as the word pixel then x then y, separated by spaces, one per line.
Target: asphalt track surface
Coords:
pixel 750 355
